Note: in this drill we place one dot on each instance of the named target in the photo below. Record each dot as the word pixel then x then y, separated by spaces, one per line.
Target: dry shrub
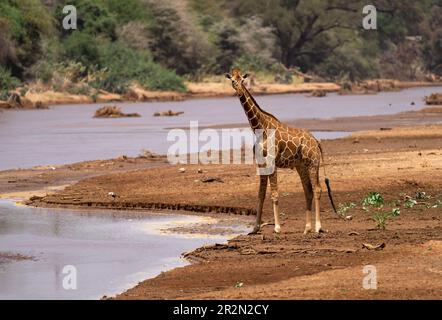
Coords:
pixel 113 112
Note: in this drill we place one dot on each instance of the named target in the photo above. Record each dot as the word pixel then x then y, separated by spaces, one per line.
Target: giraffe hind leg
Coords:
pixel 308 193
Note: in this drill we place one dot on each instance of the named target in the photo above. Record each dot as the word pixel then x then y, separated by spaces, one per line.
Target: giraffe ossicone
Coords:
pixel 294 148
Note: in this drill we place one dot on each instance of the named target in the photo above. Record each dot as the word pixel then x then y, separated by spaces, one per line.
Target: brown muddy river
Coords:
pixel 88 254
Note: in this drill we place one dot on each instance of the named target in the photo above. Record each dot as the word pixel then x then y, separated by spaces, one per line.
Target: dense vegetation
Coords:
pixel 160 43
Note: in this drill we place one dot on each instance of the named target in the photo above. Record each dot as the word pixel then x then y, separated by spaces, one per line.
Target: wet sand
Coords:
pixel 397 163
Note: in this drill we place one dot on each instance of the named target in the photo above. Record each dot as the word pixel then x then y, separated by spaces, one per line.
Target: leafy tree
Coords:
pixel 23 24
pixel 228 48
pixel 350 61
pixel 300 24
pixel 93 18
pixel 168 41
pixel 432 29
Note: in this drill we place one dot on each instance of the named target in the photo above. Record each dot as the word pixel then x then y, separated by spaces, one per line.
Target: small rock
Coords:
pixel 182 170
pixel 373 247
pixel 168 113
pixel 211 179
pixel 200 170
pixel 348 217
pixel 318 93
pixel 112 194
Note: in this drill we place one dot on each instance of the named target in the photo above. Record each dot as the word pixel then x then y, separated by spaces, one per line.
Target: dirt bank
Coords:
pixel 398 163
pixel 39 181
pixel 38 97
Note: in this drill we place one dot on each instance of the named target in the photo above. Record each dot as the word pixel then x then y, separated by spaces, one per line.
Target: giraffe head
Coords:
pixel 237 80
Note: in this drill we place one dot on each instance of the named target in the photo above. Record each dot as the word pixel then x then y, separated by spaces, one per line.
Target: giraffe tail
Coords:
pixel 327 181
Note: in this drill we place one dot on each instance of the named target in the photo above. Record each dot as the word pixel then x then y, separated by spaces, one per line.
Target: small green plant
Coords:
pixel 239 285
pixel 373 199
pixel 381 219
pixel 410 203
pixel 395 212
pixel 344 207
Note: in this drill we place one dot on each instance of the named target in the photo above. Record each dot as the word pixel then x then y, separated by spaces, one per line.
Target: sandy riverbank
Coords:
pixel 40 98
pixel 397 163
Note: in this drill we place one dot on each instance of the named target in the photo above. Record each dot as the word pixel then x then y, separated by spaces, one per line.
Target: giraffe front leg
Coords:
pixel 261 197
pixel 274 189
pixel 308 222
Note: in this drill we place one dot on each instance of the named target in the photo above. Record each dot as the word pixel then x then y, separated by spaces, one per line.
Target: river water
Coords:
pixel 110 253
pixel 66 133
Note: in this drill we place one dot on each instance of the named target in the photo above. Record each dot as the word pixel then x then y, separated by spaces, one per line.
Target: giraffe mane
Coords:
pixel 256 103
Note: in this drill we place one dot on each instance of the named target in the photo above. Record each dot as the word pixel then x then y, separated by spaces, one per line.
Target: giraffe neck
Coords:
pixel 257 117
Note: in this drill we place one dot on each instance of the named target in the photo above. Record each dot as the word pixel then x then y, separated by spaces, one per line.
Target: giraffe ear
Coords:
pixel 228 76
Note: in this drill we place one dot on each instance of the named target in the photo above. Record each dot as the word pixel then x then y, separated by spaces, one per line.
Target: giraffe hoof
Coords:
pixel 277 229
pixel 306 231
pixel 320 230
pixel 255 231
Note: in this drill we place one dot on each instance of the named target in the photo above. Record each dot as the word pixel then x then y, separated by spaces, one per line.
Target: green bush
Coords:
pixel 352 60
pixel 373 199
pixel 7 83
pixel 251 63
pixel 93 18
pixel 23 25
pixel 81 47
pixel 120 65
pixel 44 71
